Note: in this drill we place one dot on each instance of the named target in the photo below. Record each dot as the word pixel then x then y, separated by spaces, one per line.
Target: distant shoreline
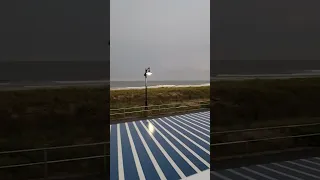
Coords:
pixel 99 83
pixel 263 76
pixel 129 85
pixel 160 86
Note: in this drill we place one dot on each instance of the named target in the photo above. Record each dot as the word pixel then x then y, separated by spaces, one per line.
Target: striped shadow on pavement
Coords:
pixel 301 169
pixel 173 147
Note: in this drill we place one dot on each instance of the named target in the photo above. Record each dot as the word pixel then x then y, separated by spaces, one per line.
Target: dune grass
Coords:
pixel 263 103
pixel 171 99
pixel 52 117
pixel 67 110
pixel 242 102
pixel 65 116
pixel 156 96
pixel 34 118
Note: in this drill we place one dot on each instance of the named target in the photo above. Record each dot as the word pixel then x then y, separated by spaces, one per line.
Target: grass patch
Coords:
pixel 75 112
pixel 156 96
pixel 171 99
pixel 55 117
pixel 261 103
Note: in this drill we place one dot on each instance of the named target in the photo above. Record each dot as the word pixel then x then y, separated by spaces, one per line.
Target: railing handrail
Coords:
pixel 264 139
pixel 53 148
pixel 159 105
pixel 149 110
pixel 54 161
pixel 155 109
pixel 45 161
pixel 265 128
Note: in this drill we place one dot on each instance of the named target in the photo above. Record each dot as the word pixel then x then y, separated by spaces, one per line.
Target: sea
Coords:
pixel 117 85
pixel 114 85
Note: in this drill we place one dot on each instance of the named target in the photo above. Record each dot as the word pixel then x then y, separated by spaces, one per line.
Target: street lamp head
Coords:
pixel 147 72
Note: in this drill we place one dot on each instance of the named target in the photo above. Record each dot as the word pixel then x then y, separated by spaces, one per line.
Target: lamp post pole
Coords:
pixel 146 91
pixel 146 73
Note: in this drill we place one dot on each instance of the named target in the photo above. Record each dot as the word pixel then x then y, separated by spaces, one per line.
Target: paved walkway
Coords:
pixel 302 169
pixel 173 147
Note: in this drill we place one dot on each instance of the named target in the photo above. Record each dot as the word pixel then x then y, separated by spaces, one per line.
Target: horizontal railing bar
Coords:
pixel 53 161
pixel 76 159
pixel 22 165
pixel 150 110
pixel 172 104
pixel 53 148
pixel 65 177
pixel 140 111
pixel 265 128
pixel 77 145
pixel 163 113
pixel 264 139
pixel 165 108
pixel 269 152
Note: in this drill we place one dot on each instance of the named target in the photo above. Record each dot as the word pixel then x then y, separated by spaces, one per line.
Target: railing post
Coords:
pixel 45 156
pixel 105 157
pixel 247 144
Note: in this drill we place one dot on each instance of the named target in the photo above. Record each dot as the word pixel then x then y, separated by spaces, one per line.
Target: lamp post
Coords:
pixel 146 74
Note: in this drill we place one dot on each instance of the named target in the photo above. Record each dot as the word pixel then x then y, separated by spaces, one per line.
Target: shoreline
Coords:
pixel 158 86
pixel 7 86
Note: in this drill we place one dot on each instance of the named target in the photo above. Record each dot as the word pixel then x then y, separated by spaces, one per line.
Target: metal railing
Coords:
pixel 265 128
pixel 46 162
pixel 265 139
pixel 44 151
pixel 126 112
pixel 247 142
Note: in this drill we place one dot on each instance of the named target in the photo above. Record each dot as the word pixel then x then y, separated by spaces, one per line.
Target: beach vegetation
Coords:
pixel 263 103
pixel 64 116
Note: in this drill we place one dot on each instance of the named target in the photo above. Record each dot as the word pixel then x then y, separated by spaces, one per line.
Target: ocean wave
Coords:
pixel 160 86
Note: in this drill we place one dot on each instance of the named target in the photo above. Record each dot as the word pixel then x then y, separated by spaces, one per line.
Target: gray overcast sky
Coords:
pixel 170 36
